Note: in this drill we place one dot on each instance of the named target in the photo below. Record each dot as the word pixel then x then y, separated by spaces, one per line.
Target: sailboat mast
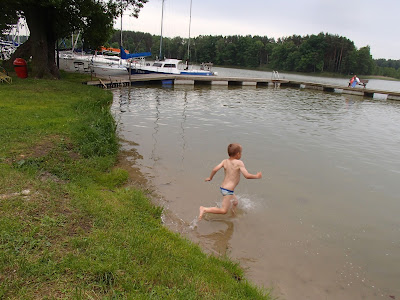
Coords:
pixel 121 23
pixel 190 24
pixel 162 20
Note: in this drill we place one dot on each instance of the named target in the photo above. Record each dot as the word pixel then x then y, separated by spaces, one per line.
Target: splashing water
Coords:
pixel 193 224
pixel 245 203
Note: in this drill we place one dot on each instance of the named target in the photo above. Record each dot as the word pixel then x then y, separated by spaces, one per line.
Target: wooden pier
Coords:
pixel 166 79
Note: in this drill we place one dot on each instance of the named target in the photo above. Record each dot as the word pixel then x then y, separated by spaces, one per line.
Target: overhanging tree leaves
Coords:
pixel 50 20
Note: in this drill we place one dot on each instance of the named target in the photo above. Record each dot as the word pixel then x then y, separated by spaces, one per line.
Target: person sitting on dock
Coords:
pixel 356 81
pixel 352 80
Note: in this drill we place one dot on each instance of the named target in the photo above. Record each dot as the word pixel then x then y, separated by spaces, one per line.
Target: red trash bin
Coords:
pixel 20 67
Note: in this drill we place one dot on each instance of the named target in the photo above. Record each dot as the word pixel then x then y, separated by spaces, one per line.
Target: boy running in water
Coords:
pixel 233 166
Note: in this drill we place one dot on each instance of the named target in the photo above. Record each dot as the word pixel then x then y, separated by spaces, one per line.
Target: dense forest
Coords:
pixel 312 53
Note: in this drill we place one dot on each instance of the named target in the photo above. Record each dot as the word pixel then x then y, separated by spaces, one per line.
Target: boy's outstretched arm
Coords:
pixel 248 175
pixel 214 171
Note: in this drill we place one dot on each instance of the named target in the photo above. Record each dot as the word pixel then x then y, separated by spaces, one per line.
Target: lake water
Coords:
pixel 322 223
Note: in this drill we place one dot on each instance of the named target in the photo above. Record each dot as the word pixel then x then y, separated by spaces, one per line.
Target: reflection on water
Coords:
pixel 322 223
pixel 216 237
pixel 183 126
pixel 153 156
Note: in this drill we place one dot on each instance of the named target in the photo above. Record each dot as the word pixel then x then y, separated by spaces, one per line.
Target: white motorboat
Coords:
pixel 97 64
pixel 170 66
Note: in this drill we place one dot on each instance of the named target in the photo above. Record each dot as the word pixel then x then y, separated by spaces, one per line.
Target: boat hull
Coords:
pixel 195 73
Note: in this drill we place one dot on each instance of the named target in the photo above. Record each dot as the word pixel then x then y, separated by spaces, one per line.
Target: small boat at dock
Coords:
pixel 101 65
pixel 170 66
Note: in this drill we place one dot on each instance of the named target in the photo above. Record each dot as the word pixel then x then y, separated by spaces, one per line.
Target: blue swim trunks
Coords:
pixel 225 192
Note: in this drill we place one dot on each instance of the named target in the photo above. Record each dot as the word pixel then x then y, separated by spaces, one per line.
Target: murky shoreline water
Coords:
pixel 323 222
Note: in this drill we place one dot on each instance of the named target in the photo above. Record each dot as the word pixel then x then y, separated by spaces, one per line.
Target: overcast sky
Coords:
pixel 369 22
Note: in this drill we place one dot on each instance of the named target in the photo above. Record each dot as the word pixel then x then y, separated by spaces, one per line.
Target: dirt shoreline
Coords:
pixel 127 160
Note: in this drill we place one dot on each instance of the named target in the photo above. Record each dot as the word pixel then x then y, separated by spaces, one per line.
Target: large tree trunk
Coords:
pixel 41 43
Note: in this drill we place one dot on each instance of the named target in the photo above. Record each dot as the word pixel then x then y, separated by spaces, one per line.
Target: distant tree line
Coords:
pixel 390 68
pixel 311 53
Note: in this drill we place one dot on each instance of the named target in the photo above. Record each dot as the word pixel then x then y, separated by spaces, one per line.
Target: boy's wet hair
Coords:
pixel 234 149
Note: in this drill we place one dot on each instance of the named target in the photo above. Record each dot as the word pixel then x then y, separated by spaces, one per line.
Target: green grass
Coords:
pixel 80 232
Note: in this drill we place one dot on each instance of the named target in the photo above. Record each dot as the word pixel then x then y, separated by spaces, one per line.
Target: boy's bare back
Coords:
pixel 232 173
pixel 233 166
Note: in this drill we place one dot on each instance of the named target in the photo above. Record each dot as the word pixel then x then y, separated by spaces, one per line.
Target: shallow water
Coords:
pixel 323 223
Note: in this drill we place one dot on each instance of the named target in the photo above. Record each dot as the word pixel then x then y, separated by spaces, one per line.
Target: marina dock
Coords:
pixel 163 79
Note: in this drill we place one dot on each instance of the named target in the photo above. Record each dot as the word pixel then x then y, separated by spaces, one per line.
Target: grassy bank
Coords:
pixel 69 226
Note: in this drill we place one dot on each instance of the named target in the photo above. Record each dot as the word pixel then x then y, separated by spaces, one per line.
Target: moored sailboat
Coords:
pixel 172 65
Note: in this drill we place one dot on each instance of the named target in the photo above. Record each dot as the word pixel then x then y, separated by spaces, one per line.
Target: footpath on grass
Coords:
pixel 70 226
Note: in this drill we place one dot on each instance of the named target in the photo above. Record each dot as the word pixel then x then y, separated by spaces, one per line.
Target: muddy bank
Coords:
pixel 128 160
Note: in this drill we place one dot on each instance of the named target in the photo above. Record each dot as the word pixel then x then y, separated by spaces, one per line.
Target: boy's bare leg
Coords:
pixel 226 202
pixel 202 211
pixel 234 204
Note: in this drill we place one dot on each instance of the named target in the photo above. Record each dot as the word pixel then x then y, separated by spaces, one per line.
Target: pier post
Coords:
pixel 184 82
pixel 220 82
pixel 249 83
